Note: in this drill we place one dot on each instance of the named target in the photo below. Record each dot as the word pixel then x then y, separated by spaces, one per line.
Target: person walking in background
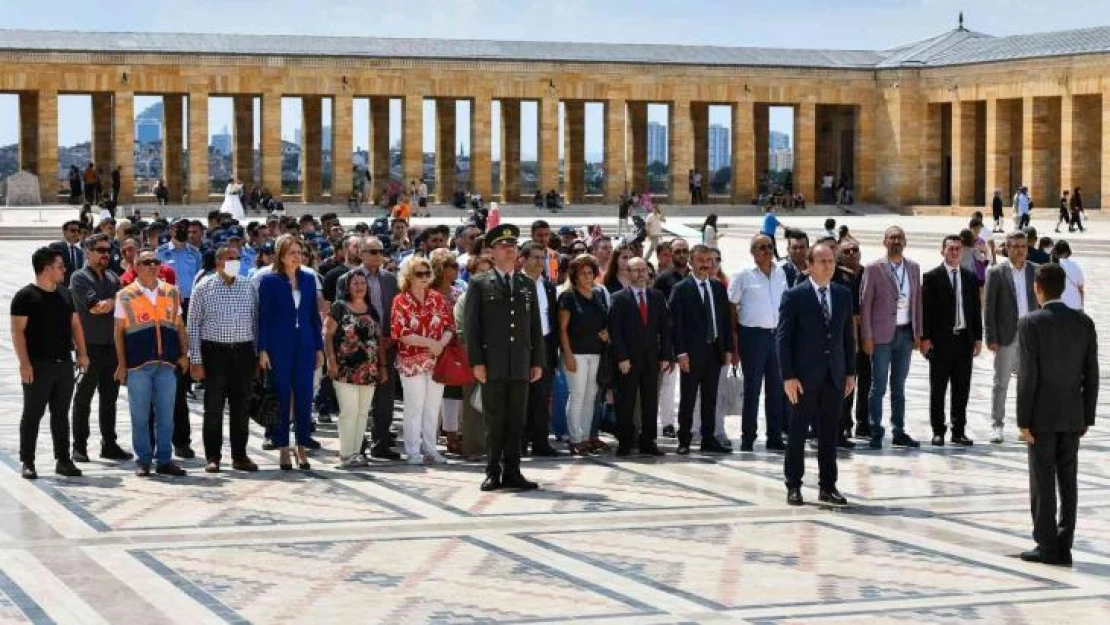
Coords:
pixel 1075 285
pixel 1057 396
pixel 653 227
pixel 997 212
pixel 1065 212
pixel 709 231
pixel 45 328
pixel 1075 208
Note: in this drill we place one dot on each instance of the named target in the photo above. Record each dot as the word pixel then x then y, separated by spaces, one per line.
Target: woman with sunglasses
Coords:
pixel 290 344
pixel 423 324
pixel 445 269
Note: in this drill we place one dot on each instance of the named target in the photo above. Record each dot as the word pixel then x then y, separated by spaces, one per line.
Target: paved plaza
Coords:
pixel 931 535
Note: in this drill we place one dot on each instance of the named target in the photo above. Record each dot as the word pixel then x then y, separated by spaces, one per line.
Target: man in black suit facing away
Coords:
pixel 817 355
pixel 951 337
pixel 1057 396
pixel 703 341
pixel 639 330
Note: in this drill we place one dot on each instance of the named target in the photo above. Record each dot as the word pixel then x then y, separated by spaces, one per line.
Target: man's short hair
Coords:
pixel 92 240
pixel 701 249
pixel 328 216
pixel 223 251
pixel 1014 235
pixel 950 237
pixel 663 245
pixel 538 224
pixel 795 234
pixel 826 242
pixel 71 223
pixel 1051 278
pixel 830 224
pixel 975 223
pixel 529 246
pixel 43 258
pixel 213 215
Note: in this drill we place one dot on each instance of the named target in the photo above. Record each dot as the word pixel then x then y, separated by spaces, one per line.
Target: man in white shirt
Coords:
pixel 538 423
pixel 755 294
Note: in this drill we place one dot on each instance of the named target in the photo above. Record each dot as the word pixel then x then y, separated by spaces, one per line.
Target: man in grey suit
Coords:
pixel 383 288
pixel 1057 393
pixel 1009 297
pixel 890 328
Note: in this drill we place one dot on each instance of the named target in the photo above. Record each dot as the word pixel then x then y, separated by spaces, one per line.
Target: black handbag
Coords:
pixel 606 373
pixel 263 405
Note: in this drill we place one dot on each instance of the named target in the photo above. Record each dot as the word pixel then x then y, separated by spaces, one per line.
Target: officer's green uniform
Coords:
pixel 503 333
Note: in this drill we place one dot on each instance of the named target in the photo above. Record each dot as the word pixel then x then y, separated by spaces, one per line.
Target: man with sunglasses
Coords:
pixel 849 273
pixel 70 248
pixel 94 289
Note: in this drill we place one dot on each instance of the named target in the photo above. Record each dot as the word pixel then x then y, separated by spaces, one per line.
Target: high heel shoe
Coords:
pixel 283 460
pixel 302 459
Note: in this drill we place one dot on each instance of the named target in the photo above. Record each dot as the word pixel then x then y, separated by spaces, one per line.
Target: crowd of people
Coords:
pixel 511 347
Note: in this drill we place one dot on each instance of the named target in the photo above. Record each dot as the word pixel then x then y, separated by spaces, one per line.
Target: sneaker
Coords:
pixel 996 435
pixel 66 468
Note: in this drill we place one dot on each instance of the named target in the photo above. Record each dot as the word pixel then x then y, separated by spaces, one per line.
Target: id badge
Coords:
pixel 903 302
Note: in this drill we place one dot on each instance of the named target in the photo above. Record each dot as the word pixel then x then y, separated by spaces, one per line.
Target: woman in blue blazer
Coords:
pixel 290 343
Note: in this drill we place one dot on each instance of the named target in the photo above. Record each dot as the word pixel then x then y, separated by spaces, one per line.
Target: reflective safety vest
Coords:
pixel 150 328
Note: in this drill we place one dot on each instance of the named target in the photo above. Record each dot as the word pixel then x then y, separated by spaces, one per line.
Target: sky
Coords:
pixel 847 24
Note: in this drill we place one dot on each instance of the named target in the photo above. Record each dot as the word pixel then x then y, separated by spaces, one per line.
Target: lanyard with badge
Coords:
pixel 903 296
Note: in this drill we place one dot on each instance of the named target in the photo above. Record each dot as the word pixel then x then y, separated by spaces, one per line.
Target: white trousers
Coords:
pixel 423 396
pixel 583 391
pixel 450 413
pixel 668 391
pixel 354 408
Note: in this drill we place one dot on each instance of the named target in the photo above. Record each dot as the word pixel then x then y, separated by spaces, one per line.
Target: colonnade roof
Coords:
pixel 956 47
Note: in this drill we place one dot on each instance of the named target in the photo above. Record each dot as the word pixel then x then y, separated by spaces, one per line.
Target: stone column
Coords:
pixel 999 123
pixel 761 120
pixel 29 132
pixel 46 117
pixel 172 169
pixel 1029 161
pixel 1070 156
pixel 963 153
pixel 311 148
pixel 412 145
pixel 616 122
pixel 743 153
pixel 342 137
pixel 1104 148
pixel 379 144
pixel 102 129
pixel 242 153
pixel 481 128
pixel 198 148
pixel 548 113
pixel 636 165
pixel 680 146
pixel 271 143
pixel 865 166
pixel 124 122
pixel 1040 160
pixel 699 120
pixel 446 167
pixel 574 150
pixel 805 147
pixel 510 150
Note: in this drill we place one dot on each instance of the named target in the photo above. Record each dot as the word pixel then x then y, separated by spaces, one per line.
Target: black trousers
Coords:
pixel 951 364
pixel 381 409
pixel 229 374
pixel 704 378
pixel 1075 222
pixel 538 424
pixel 182 429
pixel 52 386
pixel 1053 462
pixel 863 381
pixel 504 403
pixel 100 378
pixel 820 408
pixel 641 381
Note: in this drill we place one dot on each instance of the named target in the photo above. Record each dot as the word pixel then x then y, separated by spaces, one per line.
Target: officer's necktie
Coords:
pixel 711 329
pixel 643 308
pixel 824 291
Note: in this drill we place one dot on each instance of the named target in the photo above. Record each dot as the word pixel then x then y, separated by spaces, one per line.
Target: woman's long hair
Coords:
pixel 711 220
pixel 1060 249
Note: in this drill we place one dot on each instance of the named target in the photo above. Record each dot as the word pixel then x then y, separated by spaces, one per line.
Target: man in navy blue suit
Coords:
pixel 817 356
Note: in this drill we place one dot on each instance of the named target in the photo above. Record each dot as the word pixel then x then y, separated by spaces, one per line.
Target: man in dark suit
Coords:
pixel 639 333
pixel 703 341
pixel 1057 394
pixel 70 248
pixel 951 336
pixel 504 341
pixel 817 354
pixel 538 426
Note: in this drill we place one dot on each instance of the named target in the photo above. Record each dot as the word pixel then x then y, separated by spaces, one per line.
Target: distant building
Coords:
pixel 718 147
pixel 781 159
pixel 657 143
pixel 779 140
pixel 148 130
pixel 222 142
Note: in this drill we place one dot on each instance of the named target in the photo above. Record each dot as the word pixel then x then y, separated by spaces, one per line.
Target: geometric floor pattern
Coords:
pixel 931 536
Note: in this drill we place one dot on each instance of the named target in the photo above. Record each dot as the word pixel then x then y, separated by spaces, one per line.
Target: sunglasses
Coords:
pixel 372 252
pixel 150 262
pixel 852 250
pixel 422 274
pixel 102 250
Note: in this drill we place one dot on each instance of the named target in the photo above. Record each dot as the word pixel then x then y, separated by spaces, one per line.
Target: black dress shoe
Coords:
pixel 905 440
pixel 876 442
pixel 169 468
pixel 844 443
pixel 712 446
pixel 624 452
pixel 651 450
pixel 938 440
pixel 79 455
pixel 516 480
pixel 491 483
pixel 668 431
pixel 683 450
pixel 114 452
pixel 794 496
pixel 747 445
pixel 244 464
pixel 1065 558
pixel 863 432
pixel 545 451
pixel 29 472
pixel 66 468
pixel 1037 555
pixel 773 444
pixel 384 453
pixel 832 497
pixel 142 470
pixel 312 443
pixel 184 452
pixel 961 440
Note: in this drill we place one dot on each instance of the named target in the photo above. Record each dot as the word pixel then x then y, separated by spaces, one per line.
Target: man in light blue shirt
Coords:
pixel 771 223
pixel 183 258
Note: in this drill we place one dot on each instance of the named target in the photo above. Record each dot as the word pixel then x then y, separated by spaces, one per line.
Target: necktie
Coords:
pixel 824 291
pixel 73 255
pixel 956 299
pixel 711 330
pixel 506 284
pixel 643 308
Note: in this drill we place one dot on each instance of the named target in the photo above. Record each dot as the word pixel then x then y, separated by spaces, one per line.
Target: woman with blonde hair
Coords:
pixel 422 324
pixel 445 269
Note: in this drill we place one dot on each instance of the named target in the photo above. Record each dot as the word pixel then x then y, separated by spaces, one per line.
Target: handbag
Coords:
pixel 262 407
pixel 605 370
pixel 453 367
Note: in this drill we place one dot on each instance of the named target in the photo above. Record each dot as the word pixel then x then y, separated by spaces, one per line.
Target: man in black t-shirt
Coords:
pixel 44 329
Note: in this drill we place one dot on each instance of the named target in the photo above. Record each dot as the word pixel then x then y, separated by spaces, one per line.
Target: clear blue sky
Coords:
pixel 848 24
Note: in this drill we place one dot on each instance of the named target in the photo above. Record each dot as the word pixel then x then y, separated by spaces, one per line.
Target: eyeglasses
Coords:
pixel 422 274
pixel 150 262
pixel 102 250
pixel 372 252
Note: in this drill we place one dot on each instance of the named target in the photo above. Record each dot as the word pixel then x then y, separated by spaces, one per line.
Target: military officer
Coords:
pixel 504 341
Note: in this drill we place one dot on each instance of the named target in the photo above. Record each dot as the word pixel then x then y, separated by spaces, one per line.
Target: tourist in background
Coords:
pixel 1075 284
pixel 1075 208
pixel 653 227
pixel 709 231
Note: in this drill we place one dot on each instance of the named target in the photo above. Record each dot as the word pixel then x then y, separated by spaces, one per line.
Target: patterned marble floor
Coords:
pixel 931 536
